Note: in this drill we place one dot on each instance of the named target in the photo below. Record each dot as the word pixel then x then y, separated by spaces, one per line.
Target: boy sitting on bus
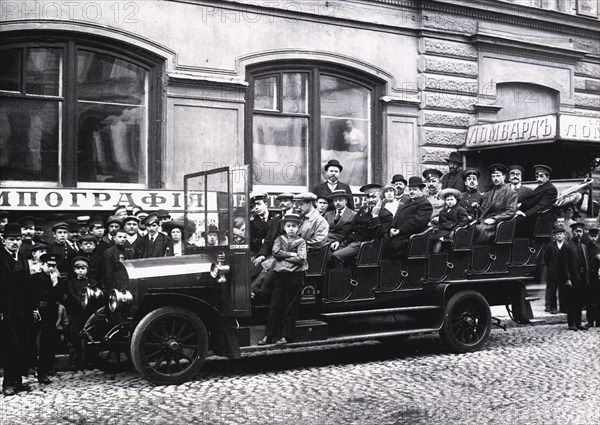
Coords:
pixel 289 251
pixel 450 217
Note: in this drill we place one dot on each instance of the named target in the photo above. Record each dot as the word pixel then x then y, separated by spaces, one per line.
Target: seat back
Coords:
pixel 543 226
pixel 419 244
pixel 317 261
pixel 463 237
pixel 369 253
pixel 505 232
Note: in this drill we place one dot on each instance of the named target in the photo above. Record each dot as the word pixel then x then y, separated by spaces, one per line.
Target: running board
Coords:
pixel 338 340
pixel 382 311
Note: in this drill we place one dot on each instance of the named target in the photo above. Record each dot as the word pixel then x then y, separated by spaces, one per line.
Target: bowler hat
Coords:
pixel 416 181
pixel 469 172
pixel 291 217
pixel 450 191
pixel 497 167
pixel 49 257
pixel 516 167
pixel 398 178
pixel 455 157
pixel 211 229
pixel 12 229
pixel 339 193
pixel 370 188
pixel 27 221
pixel 81 261
pixel 61 225
pixel 544 168
pixel 432 172
pixel 333 163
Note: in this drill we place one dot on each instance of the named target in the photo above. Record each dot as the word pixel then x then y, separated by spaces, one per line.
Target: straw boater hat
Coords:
pixel 339 193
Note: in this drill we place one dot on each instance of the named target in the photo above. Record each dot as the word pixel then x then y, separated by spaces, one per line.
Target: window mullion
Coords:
pixel 68 166
pixel 314 144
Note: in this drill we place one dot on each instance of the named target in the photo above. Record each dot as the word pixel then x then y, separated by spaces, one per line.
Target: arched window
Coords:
pixel 76 112
pixel 301 116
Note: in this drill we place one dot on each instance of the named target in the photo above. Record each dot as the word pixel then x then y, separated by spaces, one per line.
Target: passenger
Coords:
pixel 340 219
pixel 333 169
pixel 577 271
pixel 400 183
pixel 322 204
pixel 453 179
pixel 497 204
pixel 389 206
pixel 593 308
pixel 471 197
pixel 365 226
pixel 290 268
pixel 313 227
pixel 537 201
pixel 261 221
pixel 450 217
pixel 239 231
pixel 554 275
pixel 411 218
pixel 432 178
pixel 515 178
pixel 155 244
pixel 212 236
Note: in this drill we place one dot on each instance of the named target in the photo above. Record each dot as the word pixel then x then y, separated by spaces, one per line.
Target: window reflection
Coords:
pixel 43 71
pixel 265 93
pixel 10 69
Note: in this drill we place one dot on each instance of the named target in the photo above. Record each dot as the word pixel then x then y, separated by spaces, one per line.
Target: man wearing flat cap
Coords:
pixel 537 201
pixel 313 227
pixel 410 218
pixel 365 226
pixel 155 243
pixel 577 273
pixel 400 183
pixel 134 245
pixel 261 221
pixel 15 316
pixel 333 169
pixel 471 197
pixel 497 204
pixel 340 219
pixel 453 178
pixel 62 248
pixel 515 178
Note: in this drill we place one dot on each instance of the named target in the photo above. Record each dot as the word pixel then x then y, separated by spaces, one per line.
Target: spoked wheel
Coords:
pixel 467 322
pixel 169 345
pixel 109 356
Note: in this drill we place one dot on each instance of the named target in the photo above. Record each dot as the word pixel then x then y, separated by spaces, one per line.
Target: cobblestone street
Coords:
pixel 527 375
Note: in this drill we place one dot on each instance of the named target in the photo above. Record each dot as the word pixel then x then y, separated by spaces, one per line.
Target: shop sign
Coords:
pixel 579 128
pixel 512 132
pixel 42 199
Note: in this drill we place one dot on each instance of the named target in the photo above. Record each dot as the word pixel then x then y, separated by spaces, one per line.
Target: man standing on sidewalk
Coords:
pixel 593 303
pixel 577 268
pixel 554 273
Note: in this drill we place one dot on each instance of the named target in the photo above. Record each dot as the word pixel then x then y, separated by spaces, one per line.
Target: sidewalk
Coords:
pixel 540 316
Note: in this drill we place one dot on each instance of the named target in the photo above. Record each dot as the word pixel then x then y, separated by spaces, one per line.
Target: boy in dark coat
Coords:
pixel 450 217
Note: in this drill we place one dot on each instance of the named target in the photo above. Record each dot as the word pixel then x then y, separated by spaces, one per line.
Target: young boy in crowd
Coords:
pixel 77 315
pixel 450 217
pixel 289 251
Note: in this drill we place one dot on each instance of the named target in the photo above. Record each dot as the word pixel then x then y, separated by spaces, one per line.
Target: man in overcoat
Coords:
pixel 537 201
pixel 577 271
pixel 453 178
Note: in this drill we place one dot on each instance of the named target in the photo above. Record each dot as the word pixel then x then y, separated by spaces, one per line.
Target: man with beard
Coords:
pixel 537 201
pixel 577 270
pixel 27 235
pixel 410 218
pixel 399 183
pixel 333 169
pixel 471 196
pixel 515 178
pixel 453 179
pixel 497 204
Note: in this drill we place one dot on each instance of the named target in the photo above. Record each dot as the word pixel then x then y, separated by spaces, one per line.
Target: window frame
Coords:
pixel 68 119
pixel 314 71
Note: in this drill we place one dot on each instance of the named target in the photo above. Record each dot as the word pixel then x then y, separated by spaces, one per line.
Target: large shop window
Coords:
pixel 300 118
pixel 72 113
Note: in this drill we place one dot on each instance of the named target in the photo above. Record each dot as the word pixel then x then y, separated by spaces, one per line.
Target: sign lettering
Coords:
pixel 579 128
pixel 512 132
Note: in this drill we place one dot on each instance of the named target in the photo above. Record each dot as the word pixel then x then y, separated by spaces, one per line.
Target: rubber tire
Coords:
pixel 456 302
pixel 99 328
pixel 141 332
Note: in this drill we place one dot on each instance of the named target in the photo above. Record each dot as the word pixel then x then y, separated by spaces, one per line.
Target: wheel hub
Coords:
pixel 172 345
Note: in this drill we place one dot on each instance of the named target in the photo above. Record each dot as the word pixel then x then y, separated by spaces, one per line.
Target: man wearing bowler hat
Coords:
pixel 400 183
pixel 537 201
pixel 453 179
pixel 497 204
pixel 14 316
pixel 410 218
pixel 333 169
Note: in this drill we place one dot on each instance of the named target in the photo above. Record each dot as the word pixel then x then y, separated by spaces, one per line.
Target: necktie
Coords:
pixel 338 215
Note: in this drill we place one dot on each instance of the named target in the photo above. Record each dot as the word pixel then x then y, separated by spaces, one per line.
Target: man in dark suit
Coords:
pixel 15 318
pixel 400 183
pixel 593 309
pixel 134 245
pixel 535 202
pixel 62 248
pixel 471 197
pixel 340 219
pixel 453 179
pixel 27 235
pixel 554 273
pixel 155 243
pixel 333 169
pixel 261 221
pixel 410 218
pixel 515 178
pixel 497 204
pixel 577 270
pixel 365 226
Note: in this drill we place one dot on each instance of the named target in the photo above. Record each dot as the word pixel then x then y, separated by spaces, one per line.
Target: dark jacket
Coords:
pixel 522 192
pixel 161 246
pixel 112 257
pixel 412 217
pixel 259 229
pixel 12 294
pixel 73 289
pixel 65 255
pixel 577 263
pixel 539 199
pixel 555 262
pixel 364 227
pixel 454 181
pixel 450 219
pixel 468 199
pixel 322 190
pixel 499 203
pixel 342 227
pixel 136 249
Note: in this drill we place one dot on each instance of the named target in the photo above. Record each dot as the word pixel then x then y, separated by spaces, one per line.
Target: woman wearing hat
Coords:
pixel 175 230
pixel 388 206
